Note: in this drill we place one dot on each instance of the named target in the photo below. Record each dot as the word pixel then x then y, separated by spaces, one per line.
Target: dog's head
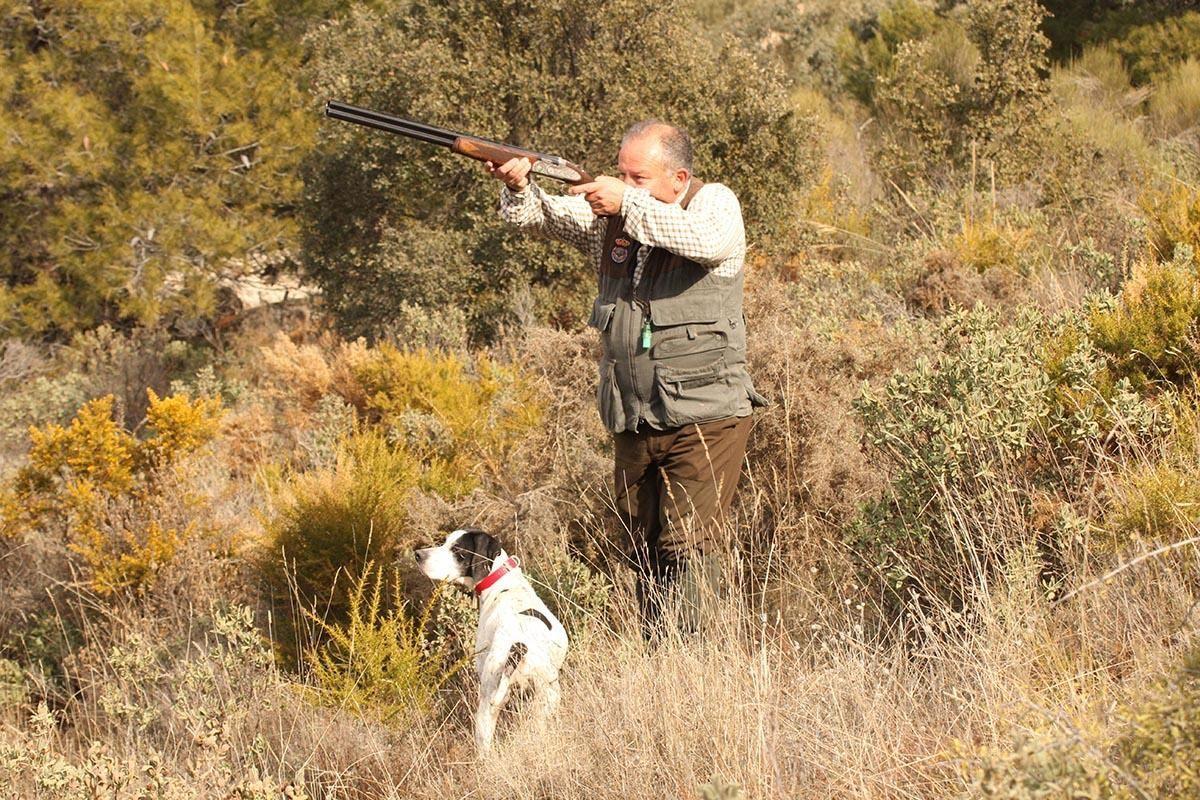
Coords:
pixel 465 558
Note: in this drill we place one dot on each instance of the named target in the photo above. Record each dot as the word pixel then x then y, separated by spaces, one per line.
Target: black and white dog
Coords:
pixel 519 643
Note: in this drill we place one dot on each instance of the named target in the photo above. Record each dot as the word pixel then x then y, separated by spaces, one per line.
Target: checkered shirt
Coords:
pixel 709 231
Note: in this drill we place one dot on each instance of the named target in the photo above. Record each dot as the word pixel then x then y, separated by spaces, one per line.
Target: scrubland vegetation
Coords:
pixel 965 548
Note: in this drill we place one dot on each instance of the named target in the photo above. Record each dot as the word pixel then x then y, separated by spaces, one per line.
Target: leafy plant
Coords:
pixel 1150 333
pixel 379 661
pixel 98 487
pixel 332 523
pixel 147 154
pixel 451 412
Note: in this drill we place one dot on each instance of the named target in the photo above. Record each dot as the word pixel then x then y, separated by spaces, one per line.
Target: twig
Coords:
pixel 1118 570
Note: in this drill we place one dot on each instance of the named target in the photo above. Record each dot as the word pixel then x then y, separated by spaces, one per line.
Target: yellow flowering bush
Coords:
pixel 98 486
pixel 450 411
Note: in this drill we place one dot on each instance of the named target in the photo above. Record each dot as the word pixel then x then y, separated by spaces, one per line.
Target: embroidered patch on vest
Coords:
pixel 623 242
pixel 619 254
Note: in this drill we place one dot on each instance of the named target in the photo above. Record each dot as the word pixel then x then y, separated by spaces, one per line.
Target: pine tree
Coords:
pixel 148 147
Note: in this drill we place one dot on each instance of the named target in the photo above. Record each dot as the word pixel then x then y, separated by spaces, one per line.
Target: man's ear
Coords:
pixel 682 176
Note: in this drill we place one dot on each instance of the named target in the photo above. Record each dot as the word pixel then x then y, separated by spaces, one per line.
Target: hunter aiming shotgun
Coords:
pixel 471 146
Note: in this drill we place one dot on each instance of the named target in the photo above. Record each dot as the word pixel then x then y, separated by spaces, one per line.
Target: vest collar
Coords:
pixel 496 574
pixel 679 200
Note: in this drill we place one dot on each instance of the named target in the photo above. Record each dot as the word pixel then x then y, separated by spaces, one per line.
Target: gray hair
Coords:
pixel 675 141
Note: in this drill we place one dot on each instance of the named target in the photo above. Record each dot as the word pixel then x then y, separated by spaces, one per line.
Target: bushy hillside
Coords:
pixel 965 547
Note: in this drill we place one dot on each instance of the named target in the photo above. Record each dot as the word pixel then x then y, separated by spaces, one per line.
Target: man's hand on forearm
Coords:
pixel 604 195
pixel 514 173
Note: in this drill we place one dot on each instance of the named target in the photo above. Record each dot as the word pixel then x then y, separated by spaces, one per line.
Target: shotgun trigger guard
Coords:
pixel 555 167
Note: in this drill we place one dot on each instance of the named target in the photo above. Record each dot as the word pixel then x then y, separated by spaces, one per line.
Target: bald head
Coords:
pixel 675 146
pixel 657 157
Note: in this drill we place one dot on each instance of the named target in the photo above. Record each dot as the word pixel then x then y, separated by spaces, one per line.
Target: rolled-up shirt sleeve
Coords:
pixel 709 231
pixel 567 218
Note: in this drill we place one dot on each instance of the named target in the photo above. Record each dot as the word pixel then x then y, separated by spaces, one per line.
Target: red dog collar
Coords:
pixel 497 574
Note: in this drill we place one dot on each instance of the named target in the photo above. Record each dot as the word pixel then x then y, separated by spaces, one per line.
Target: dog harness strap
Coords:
pixel 496 575
pixel 533 612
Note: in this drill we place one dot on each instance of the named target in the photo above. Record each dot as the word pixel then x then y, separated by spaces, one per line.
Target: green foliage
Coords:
pixel 1040 768
pixel 1150 335
pixel 867 50
pixel 453 413
pixel 1149 45
pixel 1173 220
pixel 1162 746
pixel 560 77
pixel 145 154
pixel 973 88
pixel 14 689
pixel 1157 503
pixel 719 789
pixel 959 433
pixel 97 487
pixel 378 661
pixel 577 595
pixel 1175 104
pixel 948 430
pixel 332 523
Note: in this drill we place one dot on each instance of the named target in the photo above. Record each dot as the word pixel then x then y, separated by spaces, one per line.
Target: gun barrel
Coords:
pixel 475 147
pixel 391 124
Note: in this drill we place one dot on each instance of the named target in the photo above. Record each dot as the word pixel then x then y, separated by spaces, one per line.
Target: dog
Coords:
pixel 519 642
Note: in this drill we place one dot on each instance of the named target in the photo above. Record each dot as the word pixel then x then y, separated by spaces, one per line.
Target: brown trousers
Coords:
pixel 673 490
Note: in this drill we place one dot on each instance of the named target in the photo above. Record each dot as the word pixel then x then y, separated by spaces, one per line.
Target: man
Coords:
pixel 673 388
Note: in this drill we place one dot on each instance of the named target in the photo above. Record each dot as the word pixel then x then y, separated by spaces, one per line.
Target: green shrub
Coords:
pixel 1157 755
pixel 577 595
pixel 455 414
pixel 1003 409
pixel 951 432
pixel 1173 220
pixel 1161 749
pixel 333 522
pixel 1175 104
pixel 867 49
pixel 378 661
pixel 1156 503
pixel 1150 334
pixel 1040 767
pixel 971 90
pixel 1152 48
pixel 99 489
pixel 146 155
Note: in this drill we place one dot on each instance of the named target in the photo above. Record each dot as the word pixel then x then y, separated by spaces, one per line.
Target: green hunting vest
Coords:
pixel 674 347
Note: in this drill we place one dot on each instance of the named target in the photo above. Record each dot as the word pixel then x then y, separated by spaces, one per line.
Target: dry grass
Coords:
pixel 190 696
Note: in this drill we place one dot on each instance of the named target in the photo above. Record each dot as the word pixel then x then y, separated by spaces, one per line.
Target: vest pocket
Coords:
pixel 693 395
pixel 698 305
pixel 602 314
pixel 608 397
pixel 690 341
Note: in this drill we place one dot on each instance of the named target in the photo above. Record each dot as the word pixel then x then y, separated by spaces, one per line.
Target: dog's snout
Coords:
pixel 419 555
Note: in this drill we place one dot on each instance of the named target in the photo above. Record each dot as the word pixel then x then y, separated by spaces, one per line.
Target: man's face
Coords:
pixel 640 163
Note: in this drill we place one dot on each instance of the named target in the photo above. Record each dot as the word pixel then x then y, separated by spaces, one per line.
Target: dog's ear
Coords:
pixel 481 549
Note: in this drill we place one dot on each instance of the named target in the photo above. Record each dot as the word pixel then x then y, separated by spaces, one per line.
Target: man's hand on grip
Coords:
pixel 604 195
pixel 514 172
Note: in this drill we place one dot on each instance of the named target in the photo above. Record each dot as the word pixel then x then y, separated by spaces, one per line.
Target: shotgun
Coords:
pixel 471 146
